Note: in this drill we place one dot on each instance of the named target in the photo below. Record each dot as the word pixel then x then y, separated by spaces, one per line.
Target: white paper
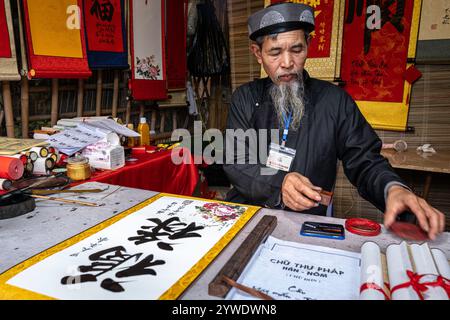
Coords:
pixel 398 262
pixel 371 271
pixel 441 262
pixel 152 245
pixel 424 265
pixel 293 271
pixel 73 140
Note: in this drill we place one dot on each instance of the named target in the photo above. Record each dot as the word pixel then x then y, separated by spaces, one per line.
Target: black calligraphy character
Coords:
pixel 172 228
pixel 104 11
pixel 396 19
pixel 106 261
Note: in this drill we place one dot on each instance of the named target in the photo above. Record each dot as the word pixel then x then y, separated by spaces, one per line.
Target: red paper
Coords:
pixel 374 61
pixel 104 25
pixel 5 49
pixel 412 74
pixel 11 168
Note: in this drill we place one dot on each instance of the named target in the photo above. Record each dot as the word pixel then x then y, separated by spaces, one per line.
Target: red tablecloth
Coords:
pixel 155 172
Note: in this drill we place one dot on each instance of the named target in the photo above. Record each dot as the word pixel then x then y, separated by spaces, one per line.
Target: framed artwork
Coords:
pixel 152 251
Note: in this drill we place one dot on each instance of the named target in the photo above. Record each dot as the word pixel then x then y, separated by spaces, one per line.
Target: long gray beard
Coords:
pixel 287 98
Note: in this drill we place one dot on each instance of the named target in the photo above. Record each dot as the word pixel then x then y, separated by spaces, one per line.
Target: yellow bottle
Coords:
pixel 131 141
pixel 144 131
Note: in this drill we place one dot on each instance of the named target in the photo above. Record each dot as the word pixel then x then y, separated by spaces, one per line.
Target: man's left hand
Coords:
pixel 400 199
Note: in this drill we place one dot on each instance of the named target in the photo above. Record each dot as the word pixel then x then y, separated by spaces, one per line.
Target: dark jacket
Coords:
pixel 332 128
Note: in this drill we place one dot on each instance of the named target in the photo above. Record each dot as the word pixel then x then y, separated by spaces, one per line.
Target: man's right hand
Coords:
pixel 298 193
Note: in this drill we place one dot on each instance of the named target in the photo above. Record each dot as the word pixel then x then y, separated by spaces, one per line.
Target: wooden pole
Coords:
pixel 55 97
pixel 115 101
pixel 25 106
pixel 9 115
pixel 128 112
pixel 80 98
pixel 141 110
pixel 98 102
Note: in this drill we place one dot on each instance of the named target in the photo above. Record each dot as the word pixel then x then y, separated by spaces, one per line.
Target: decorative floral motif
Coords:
pixel 220 212
pixel 147 68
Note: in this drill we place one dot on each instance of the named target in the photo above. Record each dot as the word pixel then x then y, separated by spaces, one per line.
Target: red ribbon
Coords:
pixel 419 288
pixel 442 282
pixel 373 286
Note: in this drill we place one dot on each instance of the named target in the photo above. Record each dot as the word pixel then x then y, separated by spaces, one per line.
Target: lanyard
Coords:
pixel 287 123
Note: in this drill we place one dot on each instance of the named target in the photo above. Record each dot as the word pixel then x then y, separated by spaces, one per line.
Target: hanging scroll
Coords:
pixel 374 59
pixel 176 43
pixel 106 34
pixel 147 35
pixel 324 52
pixel 152 251
pixel 8 58
pixel 55 39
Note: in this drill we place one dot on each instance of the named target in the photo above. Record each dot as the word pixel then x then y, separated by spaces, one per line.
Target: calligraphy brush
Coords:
pixel 90 204
pixel 250 291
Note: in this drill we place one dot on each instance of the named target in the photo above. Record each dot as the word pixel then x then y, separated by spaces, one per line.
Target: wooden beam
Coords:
pixel 236 264
pixel 25 106
pixel 7 103
pixel 55 97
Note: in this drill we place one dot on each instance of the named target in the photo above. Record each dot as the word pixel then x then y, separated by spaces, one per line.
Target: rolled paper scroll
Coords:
pixel 441 263
pixel 372 282
pixel 399 264
pixel 425 267
pixel 10 168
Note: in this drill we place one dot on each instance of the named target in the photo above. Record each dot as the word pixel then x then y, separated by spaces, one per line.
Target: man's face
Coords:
pixel 283 57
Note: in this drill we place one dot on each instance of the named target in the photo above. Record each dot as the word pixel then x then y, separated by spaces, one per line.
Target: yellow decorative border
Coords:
pixel 394 115
pixel 326 68
pixel 9 292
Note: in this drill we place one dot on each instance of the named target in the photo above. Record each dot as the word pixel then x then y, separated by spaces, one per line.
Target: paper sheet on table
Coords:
pixel 73 140
pixel 289 270
pixel 100 122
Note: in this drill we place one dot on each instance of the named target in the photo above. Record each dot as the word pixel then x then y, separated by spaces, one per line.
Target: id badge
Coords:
pixel 280 158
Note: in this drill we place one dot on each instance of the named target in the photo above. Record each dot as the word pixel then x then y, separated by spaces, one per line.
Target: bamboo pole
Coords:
pixel 162 124
pixel 80 98
pixel 25 106
pixel 174 120
pixel 153 122
pixel 115 101
pixel 128 112
pixel 141 110
pixel 55 97
pixel 7 103
pixel 98 102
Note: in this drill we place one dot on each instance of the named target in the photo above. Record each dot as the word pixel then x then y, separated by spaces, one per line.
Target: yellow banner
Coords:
pixel 55 28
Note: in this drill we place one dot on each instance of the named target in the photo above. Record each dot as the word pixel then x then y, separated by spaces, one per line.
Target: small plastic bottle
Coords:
pixel 131 141
pixel 144 131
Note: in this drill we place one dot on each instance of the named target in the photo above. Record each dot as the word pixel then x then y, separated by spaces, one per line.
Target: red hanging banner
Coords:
pixel 5 48
pixel 374 56
pixel 176 43
pixel 378 40
pixel 104 25
pixel 55 39
pixel 147 37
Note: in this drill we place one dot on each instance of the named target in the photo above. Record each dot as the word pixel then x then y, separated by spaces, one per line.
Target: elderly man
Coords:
pixel 317 122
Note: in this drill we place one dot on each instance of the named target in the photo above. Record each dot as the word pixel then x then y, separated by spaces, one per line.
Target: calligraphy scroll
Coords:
pixel 55 39
pixel 152 251
pixel 8 58
pixel 374 58
pixel 147 36
pixel 324 52
pixel 434 34
pixel 106 34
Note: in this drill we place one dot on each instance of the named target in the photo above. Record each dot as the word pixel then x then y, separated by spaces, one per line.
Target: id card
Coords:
pixel 280 158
